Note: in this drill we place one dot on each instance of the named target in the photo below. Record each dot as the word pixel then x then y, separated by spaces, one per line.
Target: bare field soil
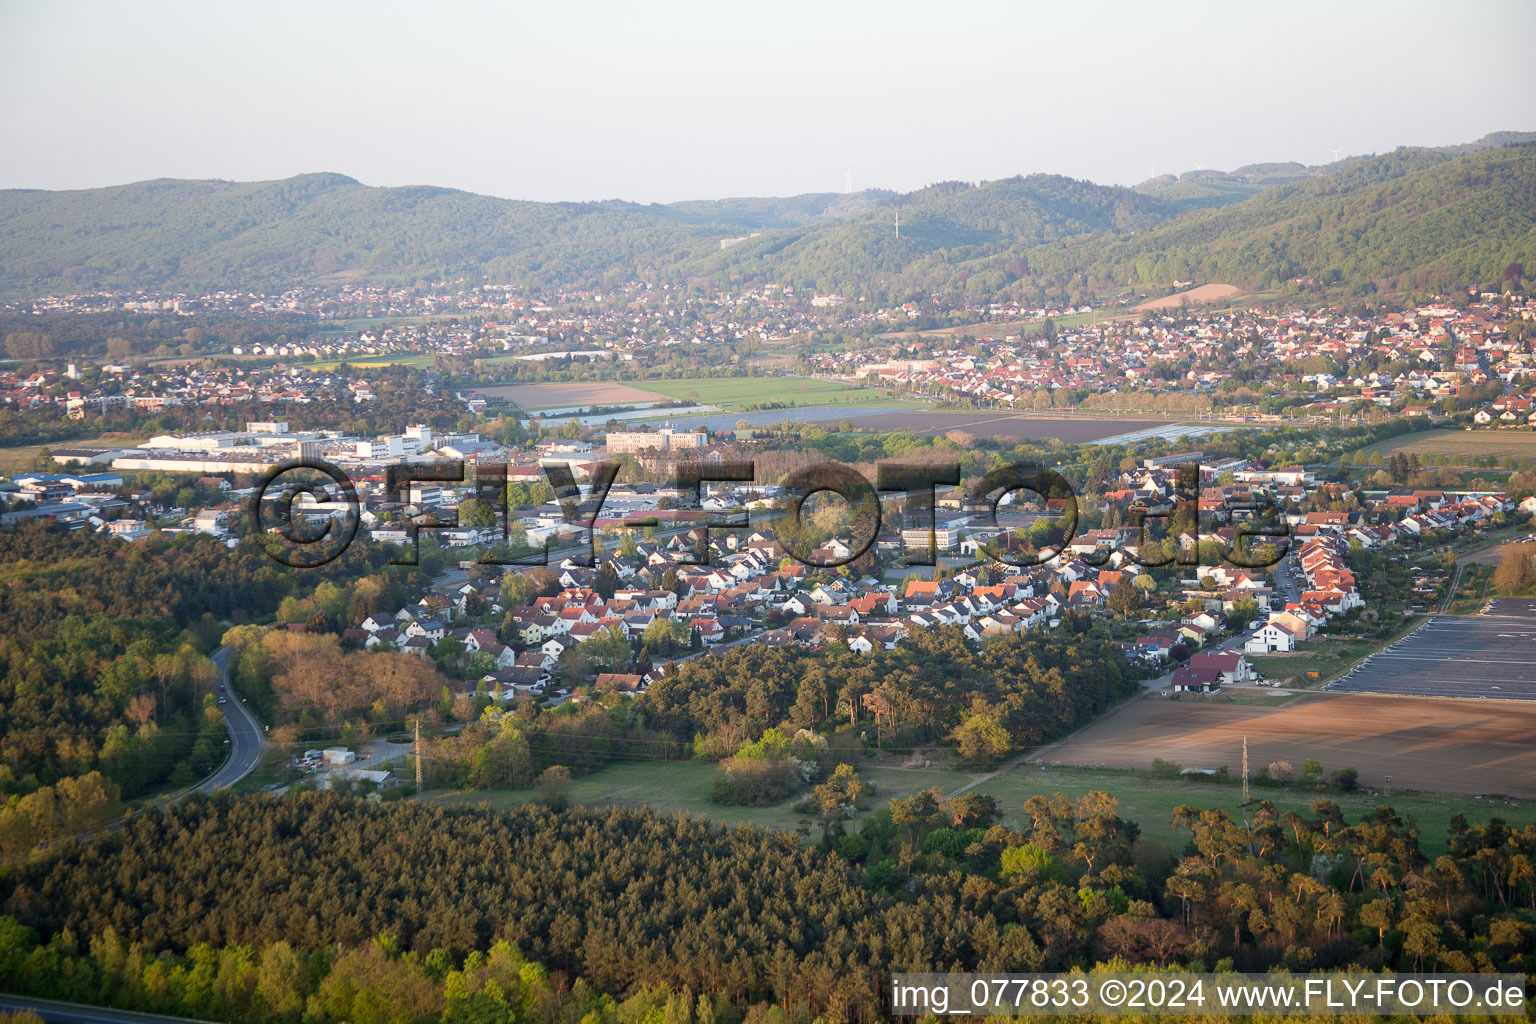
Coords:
pixel 1201 296
pixel 982 424
pixel 1498 442
pixel 560 395
pixel 1439 745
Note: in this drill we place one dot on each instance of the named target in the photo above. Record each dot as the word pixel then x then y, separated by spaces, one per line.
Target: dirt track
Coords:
pixel 1447 746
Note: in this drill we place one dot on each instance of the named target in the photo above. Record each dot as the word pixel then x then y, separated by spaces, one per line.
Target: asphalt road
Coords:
pixel 246 738
pixel 57 1012
pixel 1286 586
pixel 246 742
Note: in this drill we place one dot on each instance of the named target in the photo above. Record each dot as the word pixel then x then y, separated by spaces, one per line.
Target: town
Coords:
pixel 1467 361
pixel 529 514
pixel 664 588
pixel 1433 359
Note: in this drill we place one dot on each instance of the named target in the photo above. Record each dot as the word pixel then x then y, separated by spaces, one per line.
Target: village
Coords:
pixel 1323 363
pixel 662 592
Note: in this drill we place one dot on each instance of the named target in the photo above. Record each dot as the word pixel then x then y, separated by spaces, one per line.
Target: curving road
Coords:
pixel 58 1012
pixel 246 743
pixel 246 739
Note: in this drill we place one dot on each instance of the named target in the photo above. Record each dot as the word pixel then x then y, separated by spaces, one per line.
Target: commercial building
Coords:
pixel 627 442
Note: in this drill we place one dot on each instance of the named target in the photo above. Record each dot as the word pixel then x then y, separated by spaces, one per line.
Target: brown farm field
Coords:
pixel 1201 296
pixel 560 395
pixel 1438 745
pixel 1009 425
pixel 1498 443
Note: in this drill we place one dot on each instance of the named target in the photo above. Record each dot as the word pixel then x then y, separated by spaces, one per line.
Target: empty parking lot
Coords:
pixel 1490 656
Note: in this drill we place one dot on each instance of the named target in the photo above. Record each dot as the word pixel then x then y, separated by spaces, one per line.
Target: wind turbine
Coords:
pixel 848 179
pixel 1335 153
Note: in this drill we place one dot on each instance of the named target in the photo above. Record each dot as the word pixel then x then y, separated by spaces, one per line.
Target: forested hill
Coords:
pixel 197 235
pixel 1406 221
pixel 1410 220
pixel 942 229
pixel 194 235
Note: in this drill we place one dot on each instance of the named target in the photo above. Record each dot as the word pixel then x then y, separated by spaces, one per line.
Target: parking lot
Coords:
pixel 1489 656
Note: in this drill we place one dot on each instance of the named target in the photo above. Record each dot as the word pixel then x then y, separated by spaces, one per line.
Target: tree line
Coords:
pixel 328 907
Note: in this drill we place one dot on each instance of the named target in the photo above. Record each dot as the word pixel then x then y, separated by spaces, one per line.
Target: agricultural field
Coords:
pixel 1150 800
pixel 995 328
pixel 1205 295
pixel 416 360
pixel 18 459
pixel 684 787
pixel 569 395
pixel 735 393
pixel 673 786
pixel 730 394
pixel 1009 425
pixel 1499 444
pixel 1443 745
pixel 1482 656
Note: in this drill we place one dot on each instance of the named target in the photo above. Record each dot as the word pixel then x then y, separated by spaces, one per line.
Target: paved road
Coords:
pixel 246 739
pixel 246 742
pixel 1286 584
pixel 57 1012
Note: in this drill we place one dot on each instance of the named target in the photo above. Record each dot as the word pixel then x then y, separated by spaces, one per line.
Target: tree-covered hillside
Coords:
pixel 1412 220
pixel 1415 219
pixel 196 235
pixel 943 227
pixel 316 227
pixel 1409 220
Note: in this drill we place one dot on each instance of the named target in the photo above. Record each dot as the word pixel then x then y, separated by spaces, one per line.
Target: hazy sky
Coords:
pixel 666 101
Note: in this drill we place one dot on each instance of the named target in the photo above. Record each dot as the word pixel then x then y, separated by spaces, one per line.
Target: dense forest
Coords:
pixel 1412 219
pixel 104 668
pixel 330 908
pixel 942 228
pixel 777 718
pixel 934 685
